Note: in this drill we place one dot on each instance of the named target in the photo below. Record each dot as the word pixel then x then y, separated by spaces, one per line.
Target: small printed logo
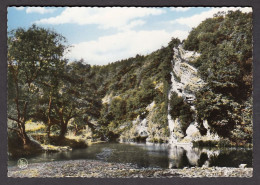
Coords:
pixel 22 163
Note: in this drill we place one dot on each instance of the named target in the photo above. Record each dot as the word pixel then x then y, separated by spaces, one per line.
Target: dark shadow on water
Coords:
pixel 232 158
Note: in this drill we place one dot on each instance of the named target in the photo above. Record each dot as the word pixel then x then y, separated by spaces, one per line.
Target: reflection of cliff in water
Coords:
pixel 183 156
pixel 186 156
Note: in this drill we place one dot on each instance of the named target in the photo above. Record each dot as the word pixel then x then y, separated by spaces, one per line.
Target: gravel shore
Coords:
pixel 100 169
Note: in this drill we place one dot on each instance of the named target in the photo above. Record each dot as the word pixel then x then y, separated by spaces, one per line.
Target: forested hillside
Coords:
pixel 225 44
pixel 134 99
pixel 127 87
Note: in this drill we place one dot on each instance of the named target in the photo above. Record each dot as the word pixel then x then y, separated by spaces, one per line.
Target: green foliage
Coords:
pixel 243 130
pixel 133 83
pixel 118 108
pixel 226 51
pixel 220 111
pixel 32 54
pixel 212 143
pixel 42 86
pixel 73 96
pixel 161 118
pixel 180 109
pixel 225 64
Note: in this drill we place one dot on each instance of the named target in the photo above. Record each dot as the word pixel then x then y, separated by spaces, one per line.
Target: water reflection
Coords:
pixel 152 155
pixel 187 156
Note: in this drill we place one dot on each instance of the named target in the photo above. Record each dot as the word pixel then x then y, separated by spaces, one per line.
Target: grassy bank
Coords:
pixel 41 144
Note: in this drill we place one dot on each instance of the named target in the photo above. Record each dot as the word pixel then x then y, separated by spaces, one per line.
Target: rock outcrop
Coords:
pixel 185 82
pixel 145 130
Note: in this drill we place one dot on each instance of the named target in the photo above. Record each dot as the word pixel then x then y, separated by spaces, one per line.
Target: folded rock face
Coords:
pixel 185 82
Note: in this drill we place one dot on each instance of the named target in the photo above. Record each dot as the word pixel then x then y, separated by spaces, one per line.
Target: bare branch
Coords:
pixel 13 119
pixel 16 130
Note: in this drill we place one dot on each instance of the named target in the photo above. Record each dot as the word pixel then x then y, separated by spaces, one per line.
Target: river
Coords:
pixel 151 155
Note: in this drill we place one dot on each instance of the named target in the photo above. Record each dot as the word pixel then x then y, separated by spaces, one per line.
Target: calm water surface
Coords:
pixel 152 155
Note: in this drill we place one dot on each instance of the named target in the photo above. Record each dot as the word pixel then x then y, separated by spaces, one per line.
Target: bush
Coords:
pixel 180 109
pixel 74 144
pixel 220 144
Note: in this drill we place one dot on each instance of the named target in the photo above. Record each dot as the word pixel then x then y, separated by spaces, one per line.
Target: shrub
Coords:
pixel 180 109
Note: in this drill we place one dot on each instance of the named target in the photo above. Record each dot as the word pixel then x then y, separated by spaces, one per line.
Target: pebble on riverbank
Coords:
pixel 100 169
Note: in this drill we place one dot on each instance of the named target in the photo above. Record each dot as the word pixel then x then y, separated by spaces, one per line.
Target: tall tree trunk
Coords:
pixel 48 130
pixel 22 133
pixel 49 117
pixel 63 131
pixel 21 116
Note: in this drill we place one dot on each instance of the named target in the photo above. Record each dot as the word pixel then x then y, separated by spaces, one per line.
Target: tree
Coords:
pixel 49 89
pixel 77 97
pixel 31 54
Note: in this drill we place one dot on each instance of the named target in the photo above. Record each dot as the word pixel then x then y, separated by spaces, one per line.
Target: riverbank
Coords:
pixel 100 169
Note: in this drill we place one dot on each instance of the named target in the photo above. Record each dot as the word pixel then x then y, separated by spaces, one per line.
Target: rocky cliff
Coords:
pixel 200 89
pixel 185 82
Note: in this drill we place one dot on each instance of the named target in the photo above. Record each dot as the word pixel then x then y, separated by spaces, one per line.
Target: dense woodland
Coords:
pixel 225 44
pixel 46 88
